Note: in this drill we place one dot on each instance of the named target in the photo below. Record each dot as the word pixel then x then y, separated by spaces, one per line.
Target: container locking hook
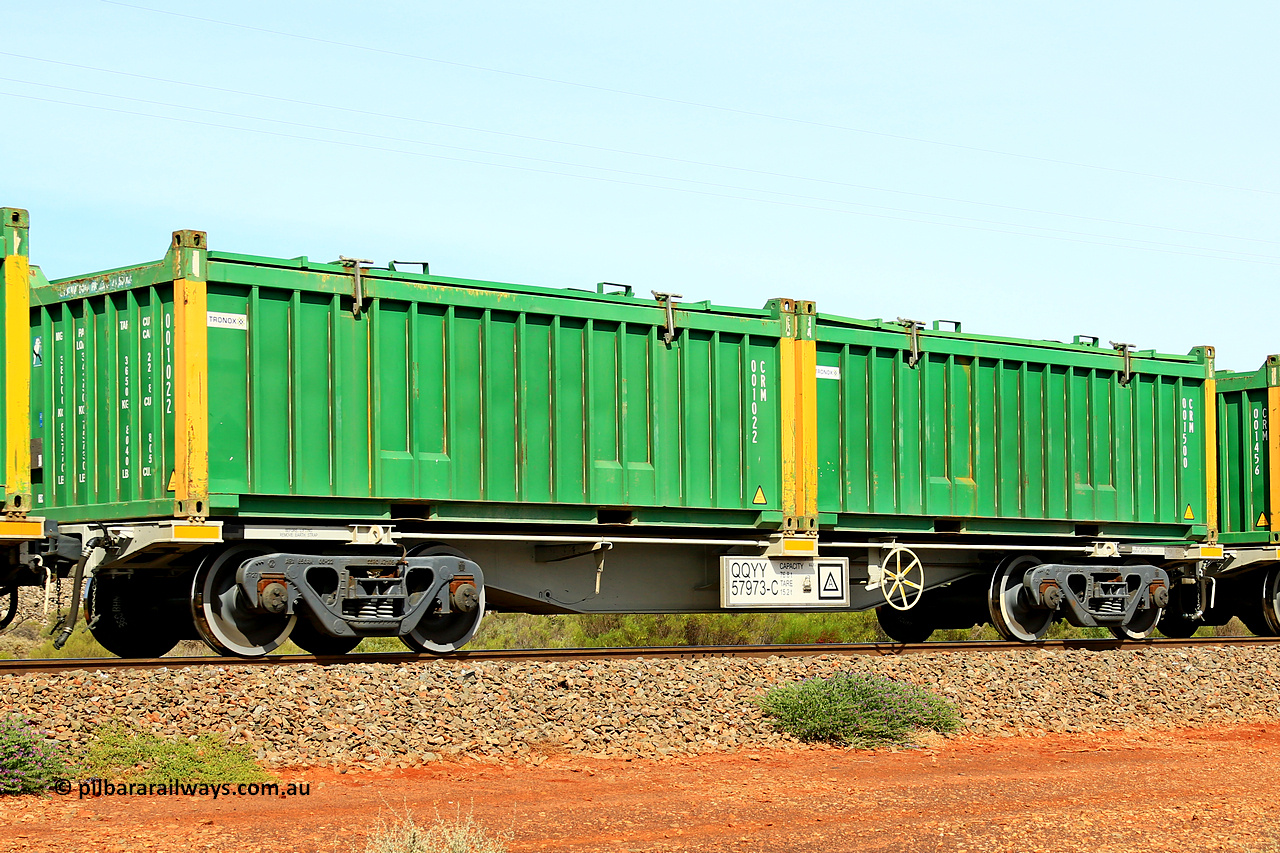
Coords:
pixel 912 328
pixel 668 299
pixel 353 264
pixel 1126 352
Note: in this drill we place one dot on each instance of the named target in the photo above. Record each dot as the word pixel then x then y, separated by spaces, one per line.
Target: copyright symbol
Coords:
pixel 62 786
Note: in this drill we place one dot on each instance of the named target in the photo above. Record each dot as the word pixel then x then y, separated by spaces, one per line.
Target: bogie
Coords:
pixel 248 599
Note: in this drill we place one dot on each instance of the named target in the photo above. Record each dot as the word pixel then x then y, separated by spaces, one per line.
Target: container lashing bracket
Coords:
pixel 1104 550
pixel 357 272
pixel 668 300
pixel 912 328
pixel 1126 352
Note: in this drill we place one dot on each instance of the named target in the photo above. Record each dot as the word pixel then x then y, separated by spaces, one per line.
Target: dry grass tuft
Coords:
pixel 403 834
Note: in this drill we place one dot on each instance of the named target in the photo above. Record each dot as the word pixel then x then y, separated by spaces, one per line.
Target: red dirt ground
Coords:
pixel 1183 790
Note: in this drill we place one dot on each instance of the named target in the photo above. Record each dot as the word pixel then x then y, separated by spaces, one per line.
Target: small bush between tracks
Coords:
pixel 858 710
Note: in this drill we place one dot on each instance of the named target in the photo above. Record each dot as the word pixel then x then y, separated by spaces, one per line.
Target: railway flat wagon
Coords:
pixel 250 449
pixel 273 438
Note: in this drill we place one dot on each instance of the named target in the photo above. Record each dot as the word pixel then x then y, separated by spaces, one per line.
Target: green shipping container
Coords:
pixel 1249 453
pixel 942 432
pixel 231 385
pixel 227 385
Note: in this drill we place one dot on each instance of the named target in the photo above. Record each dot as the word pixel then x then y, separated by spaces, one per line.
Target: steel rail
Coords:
pixel 656 652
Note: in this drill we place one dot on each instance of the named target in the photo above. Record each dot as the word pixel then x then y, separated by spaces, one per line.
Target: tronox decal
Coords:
pixel 219 320
pixel 828 372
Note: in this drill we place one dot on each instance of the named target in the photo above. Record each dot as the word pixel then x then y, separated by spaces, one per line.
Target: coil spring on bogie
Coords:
pixel 1111 605
pixel 378 608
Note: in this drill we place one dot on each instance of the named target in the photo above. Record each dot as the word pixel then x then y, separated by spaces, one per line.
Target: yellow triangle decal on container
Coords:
pixel 1189 515
pixel 759 498
pixel 1262 520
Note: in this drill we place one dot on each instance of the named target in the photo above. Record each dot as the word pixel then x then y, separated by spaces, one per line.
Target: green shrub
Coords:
pixel 121 752
pixel 460 835
pixel 524 631
pixel 80 644
pixel 615 630
pixel 863 711
pixel 28 763
pixel 834 627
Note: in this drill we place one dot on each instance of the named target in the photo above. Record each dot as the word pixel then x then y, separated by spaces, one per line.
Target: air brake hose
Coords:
pixel 76 586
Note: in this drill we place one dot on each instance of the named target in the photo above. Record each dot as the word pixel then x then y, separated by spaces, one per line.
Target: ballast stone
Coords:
pixel 405 715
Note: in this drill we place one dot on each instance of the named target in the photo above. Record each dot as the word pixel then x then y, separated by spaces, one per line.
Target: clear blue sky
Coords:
pixel 1037 170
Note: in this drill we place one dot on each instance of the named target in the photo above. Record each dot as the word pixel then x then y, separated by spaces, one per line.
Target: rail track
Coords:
pixel 665 652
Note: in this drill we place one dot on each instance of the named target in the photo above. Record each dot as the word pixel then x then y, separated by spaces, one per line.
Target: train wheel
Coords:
pixel 1141 627
pixel 132 618
pixel 221 618
pixel 1012 615
pixel 9 608
pixel 309 639
pixel 441 634
pixel 1178 627
pixel 1271 601
pixel 905 626
pixel 1260 609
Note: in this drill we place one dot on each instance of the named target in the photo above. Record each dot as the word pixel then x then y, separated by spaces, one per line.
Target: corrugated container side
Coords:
pixel 460 394
pixel 1249 454
pixel 985 433
pixel 468 399
pixel 103 398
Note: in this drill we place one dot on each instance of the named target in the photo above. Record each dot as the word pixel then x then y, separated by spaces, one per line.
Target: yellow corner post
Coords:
pixel 17 396
pixel 1211 451
pixel 17 371
pixel 788 422
pixel 191 375
pixel 1273 442
pixel 799 433
pixel 807 428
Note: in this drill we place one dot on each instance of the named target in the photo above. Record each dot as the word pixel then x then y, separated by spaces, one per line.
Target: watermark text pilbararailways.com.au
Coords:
pixel 174 788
